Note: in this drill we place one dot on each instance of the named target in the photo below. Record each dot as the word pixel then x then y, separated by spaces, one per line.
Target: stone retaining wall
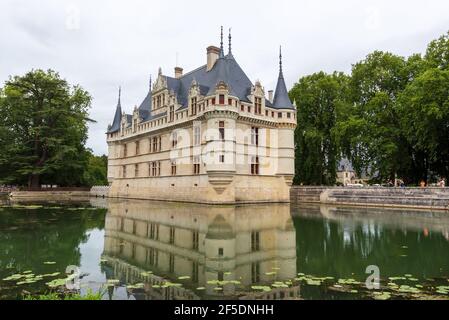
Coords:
pixel 99 191
pixel 48 195
pixel 424 198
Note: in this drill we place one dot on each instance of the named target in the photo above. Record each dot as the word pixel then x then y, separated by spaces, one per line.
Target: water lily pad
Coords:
pixel 49 262
pixel 271 273
pixel 183 278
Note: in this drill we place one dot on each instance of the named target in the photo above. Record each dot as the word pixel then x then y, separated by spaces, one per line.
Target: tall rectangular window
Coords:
pixel 195 244
pixel 255 241
pixel 255 272
pixel 257 105
pixel 174 139
pixel 124 171
pixel 221 129
pixel 197 135
pixel 125 150
pixel 194 106
pixel 254 165
pixel 255 136
pixel 159 168
pixel 221 99
pixel 196 165
pixel 136 170
pixel 195 272
pixel 159 144
pixel 171 262
pixel 172 113
pixel 155 144
pixel 221 158
pixel 173 168
pixel 172 235
pixel 137 148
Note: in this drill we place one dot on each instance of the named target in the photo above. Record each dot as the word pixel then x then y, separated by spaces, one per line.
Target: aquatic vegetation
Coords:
pixel 201 288
pixel 183 278
pixel 263 288
pixel 49 262
pixel 382 295
pixel 90 295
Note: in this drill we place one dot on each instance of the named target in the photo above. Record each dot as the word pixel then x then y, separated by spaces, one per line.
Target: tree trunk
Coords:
pixel 34 181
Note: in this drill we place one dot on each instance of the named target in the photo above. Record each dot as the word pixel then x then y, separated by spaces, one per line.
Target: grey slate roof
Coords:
pixel 226 69
pixel 281 99
pixel 117 117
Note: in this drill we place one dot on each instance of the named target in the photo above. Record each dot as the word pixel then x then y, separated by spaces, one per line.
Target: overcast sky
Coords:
pixel 102 45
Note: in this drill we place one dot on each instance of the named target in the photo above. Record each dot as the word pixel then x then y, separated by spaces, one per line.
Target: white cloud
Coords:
pixel 104 44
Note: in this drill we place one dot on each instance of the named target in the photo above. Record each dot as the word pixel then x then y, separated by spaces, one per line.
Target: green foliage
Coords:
pixel 390 117
pixel 96 171
pixel 318 97
pixel 43 130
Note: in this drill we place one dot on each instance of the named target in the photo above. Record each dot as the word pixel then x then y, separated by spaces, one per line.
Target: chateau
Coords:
pixel 207 136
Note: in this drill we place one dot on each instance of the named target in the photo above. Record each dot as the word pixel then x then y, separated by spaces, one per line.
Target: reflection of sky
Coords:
pixel 91 252
pixel 90 259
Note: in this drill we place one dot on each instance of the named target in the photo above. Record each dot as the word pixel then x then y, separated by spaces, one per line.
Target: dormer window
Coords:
pixel 194 106
pixel 172 113
pixel 258 105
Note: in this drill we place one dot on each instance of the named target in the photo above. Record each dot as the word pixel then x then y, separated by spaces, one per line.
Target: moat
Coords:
pixel 154 250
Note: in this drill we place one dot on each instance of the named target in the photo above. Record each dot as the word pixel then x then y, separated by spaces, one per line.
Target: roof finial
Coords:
pixel 280 61
pixel 119 95
pixel 221 44
pixel 230 42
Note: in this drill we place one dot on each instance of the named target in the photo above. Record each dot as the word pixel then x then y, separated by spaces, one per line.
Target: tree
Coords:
pixel 370 131
pixel 425 120
pixel 96 171
pixel 318 97
pixel 43 130
pixel 437 53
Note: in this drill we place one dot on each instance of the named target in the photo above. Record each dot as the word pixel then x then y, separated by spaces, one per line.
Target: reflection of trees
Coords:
pixel 30 237
pixel 344 247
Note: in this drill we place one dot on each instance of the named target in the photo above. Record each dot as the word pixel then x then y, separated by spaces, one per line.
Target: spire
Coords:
pixel 151 82
pixel 230 43
pixel 221 44
pixel 118 114
pixel 281 99
pixel 281 74
pixel 119 96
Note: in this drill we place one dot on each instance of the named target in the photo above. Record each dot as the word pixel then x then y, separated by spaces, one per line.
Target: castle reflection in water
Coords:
pixel 242 246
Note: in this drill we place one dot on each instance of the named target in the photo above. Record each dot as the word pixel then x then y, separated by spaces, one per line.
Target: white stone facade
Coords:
pixel 216 147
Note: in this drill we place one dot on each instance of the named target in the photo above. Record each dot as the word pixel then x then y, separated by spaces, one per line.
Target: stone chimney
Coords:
pixel 178 72
pixel 212 56
pixel 270 96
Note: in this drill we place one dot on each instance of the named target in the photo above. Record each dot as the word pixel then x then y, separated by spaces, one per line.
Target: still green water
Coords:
pixel 154 250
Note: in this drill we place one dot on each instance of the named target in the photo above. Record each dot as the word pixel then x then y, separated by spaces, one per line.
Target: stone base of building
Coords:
pixel 223 189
